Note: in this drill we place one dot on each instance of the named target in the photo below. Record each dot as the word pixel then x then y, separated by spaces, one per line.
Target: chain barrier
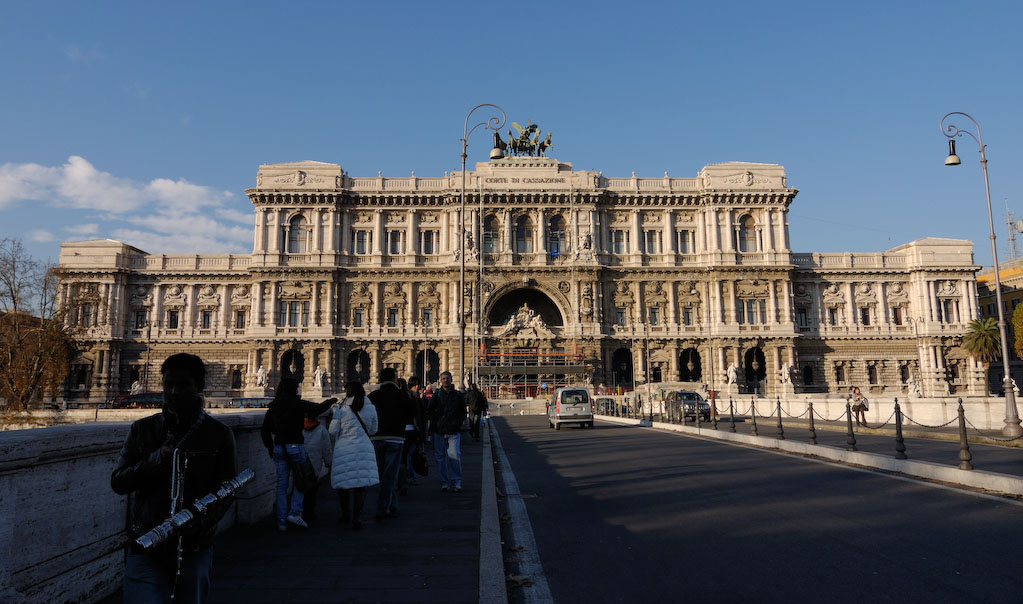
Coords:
pixel 911 420
pixel 994 438
pixel 805 411
pixel 881 425
pixel 837 419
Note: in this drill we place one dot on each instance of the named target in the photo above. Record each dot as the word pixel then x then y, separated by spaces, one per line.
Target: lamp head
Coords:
pixel 496 153
pixel 499 145
pixel 952 159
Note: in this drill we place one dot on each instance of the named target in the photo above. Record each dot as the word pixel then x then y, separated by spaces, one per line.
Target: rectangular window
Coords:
pixel 740 313
pixel 871 374
pixel 140 319
pixel 839 374
pixel 620 315
pixel 428 242
pixel 362 242
pixel 685 240
pixel 652 241
pixel 687 315
pixel 864 316
pixel 897 315
pixel 801 317
pixel 293 309
pixel 427 317
pixel 358 317
pixel 763 311
pixel 172 319
pixel 282 314
pixel 205 319
pixel 832 316
pixel 239 319
pixel 392 317
pixel 948 311
pixel 619 241
pixel 751 312
pixel 655 315
pixel 395 243
pixel 305 314
pixel 85 317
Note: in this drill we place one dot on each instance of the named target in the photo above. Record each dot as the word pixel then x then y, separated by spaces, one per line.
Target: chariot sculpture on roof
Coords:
pixel 527 142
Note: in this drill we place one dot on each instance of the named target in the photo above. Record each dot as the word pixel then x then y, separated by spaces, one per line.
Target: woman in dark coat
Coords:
pixel 282 437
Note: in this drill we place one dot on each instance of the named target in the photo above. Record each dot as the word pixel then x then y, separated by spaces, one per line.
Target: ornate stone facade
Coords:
pixel 570 277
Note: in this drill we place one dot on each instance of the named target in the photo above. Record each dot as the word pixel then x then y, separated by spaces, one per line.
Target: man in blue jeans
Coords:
pixel 447 413
pixel 183 445
pixel 394 412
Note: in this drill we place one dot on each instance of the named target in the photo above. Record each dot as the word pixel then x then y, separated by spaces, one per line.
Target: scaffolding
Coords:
pixel 528 372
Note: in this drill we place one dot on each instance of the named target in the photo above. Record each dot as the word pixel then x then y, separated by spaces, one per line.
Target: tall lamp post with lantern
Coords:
pixel 1012 424
pixel 494 123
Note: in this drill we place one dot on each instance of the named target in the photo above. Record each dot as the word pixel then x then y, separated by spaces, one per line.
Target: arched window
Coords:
pixel 523 235
pixel 556 243
pixel 747 234
pixel 298 236
pixel 491 234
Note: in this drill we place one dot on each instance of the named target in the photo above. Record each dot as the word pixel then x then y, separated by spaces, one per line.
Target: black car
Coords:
pixel 143 400
pixel 684 403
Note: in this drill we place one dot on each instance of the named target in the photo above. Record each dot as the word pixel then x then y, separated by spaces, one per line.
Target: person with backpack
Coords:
pixel 447 413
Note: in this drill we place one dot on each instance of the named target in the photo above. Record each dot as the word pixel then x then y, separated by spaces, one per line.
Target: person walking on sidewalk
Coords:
pixel 477 403
pixel 282 437
pixel 354 465
pixel 414 438
pixel 394 412
pixel 447 412
pixel 317 446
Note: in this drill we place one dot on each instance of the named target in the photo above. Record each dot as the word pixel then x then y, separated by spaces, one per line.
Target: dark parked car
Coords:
pixel 685 404
pixel 250 402
pixel 143 400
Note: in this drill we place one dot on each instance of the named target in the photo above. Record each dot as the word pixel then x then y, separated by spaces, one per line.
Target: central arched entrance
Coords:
pixel 293 365
pixel 689 368
pixel 523 353
pixel 755 367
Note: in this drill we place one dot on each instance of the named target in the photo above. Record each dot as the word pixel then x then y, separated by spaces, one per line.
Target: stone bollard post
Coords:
pixel 714 413
pixel 731 413
pixel 900 443
pixel 964 445
pixel 813 431
pixel 753 416
pixel 697 417
pixel 851 438
pixel 781 429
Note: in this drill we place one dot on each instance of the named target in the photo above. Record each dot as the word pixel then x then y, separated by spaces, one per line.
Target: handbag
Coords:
pixel 419 460
pixel 303 475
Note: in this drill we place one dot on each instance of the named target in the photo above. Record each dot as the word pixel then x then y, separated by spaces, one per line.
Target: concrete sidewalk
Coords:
pixel 444 547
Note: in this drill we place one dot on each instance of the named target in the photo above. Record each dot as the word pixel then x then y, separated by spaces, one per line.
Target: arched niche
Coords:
pixel 510 302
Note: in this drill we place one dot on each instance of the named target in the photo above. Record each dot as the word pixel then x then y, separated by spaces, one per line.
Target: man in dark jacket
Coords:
pixel 394 412
pixel 446 413
pixel 477 403
pixel 180 453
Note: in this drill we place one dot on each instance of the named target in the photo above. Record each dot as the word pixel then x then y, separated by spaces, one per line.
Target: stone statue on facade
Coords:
pixel 785 373
pixel 733 374
pixel 525 323
pixel 318 378
pixel 584 251
pixel 261 377
pixel 136 387
pixel 913 387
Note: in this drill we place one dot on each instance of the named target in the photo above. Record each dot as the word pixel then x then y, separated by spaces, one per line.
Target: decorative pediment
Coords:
pixel 751 289
pixel 294 290
pixel 687 293
pixel 88 291
pixel 833 296
pixel 430 218
pixel 655 292
pixel 623 294
pixel 428 294
pixel 897 294
pixel 948 289
pixel 394 295
pixel 865 295
pixel 525 323
pixel 240 296
pixel 141 297
pixel 801 294
pixel 175 297
pixel 362 218
pixel 361 296
pixel 208 297
pixel 685 217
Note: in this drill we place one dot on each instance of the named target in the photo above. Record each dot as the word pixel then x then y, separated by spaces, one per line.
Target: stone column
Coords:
pixel 673 305
pixel 670 243
pixel 411 240
pixel 852 313
pixel 769 225
pixel 729 230
pixel 772 303
pixel 509 233
pixel 346 231
pixel 786 313
pixel 316 304
pixel 273 303
pixel 540 234
pixel 259 243
pixel 378 227
pixel 636 235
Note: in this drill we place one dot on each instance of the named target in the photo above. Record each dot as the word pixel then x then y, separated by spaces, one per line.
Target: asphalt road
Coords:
pixel 626 514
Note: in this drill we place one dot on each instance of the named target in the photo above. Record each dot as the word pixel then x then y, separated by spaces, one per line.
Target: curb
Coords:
pixel 979 479
pixel 491 574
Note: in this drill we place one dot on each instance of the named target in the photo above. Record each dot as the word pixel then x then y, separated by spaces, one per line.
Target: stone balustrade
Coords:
pixel 61 525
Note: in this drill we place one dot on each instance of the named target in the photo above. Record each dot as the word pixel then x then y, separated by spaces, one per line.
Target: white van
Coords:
pixel 570 406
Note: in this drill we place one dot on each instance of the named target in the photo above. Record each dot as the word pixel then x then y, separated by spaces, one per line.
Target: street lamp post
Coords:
pixel 495 124
pixel 1012 424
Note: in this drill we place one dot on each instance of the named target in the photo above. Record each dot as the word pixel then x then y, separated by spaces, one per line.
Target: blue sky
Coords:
pixel 146 122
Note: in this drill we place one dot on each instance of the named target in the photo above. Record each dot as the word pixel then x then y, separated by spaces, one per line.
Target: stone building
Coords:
pixel 571 277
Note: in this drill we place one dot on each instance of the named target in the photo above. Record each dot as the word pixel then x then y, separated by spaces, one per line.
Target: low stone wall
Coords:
pixel 62 527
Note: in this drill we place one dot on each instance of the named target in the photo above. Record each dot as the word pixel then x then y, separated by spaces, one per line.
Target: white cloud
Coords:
pixel 40 236
pixel 77 54
pixel 160 216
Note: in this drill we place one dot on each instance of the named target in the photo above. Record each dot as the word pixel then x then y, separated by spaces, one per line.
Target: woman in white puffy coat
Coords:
pixel 354 464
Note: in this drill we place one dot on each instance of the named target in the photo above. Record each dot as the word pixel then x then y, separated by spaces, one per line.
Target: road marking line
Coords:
pixel 522 531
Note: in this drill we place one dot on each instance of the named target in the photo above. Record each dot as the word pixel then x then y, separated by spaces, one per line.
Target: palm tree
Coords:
pixel 983 343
